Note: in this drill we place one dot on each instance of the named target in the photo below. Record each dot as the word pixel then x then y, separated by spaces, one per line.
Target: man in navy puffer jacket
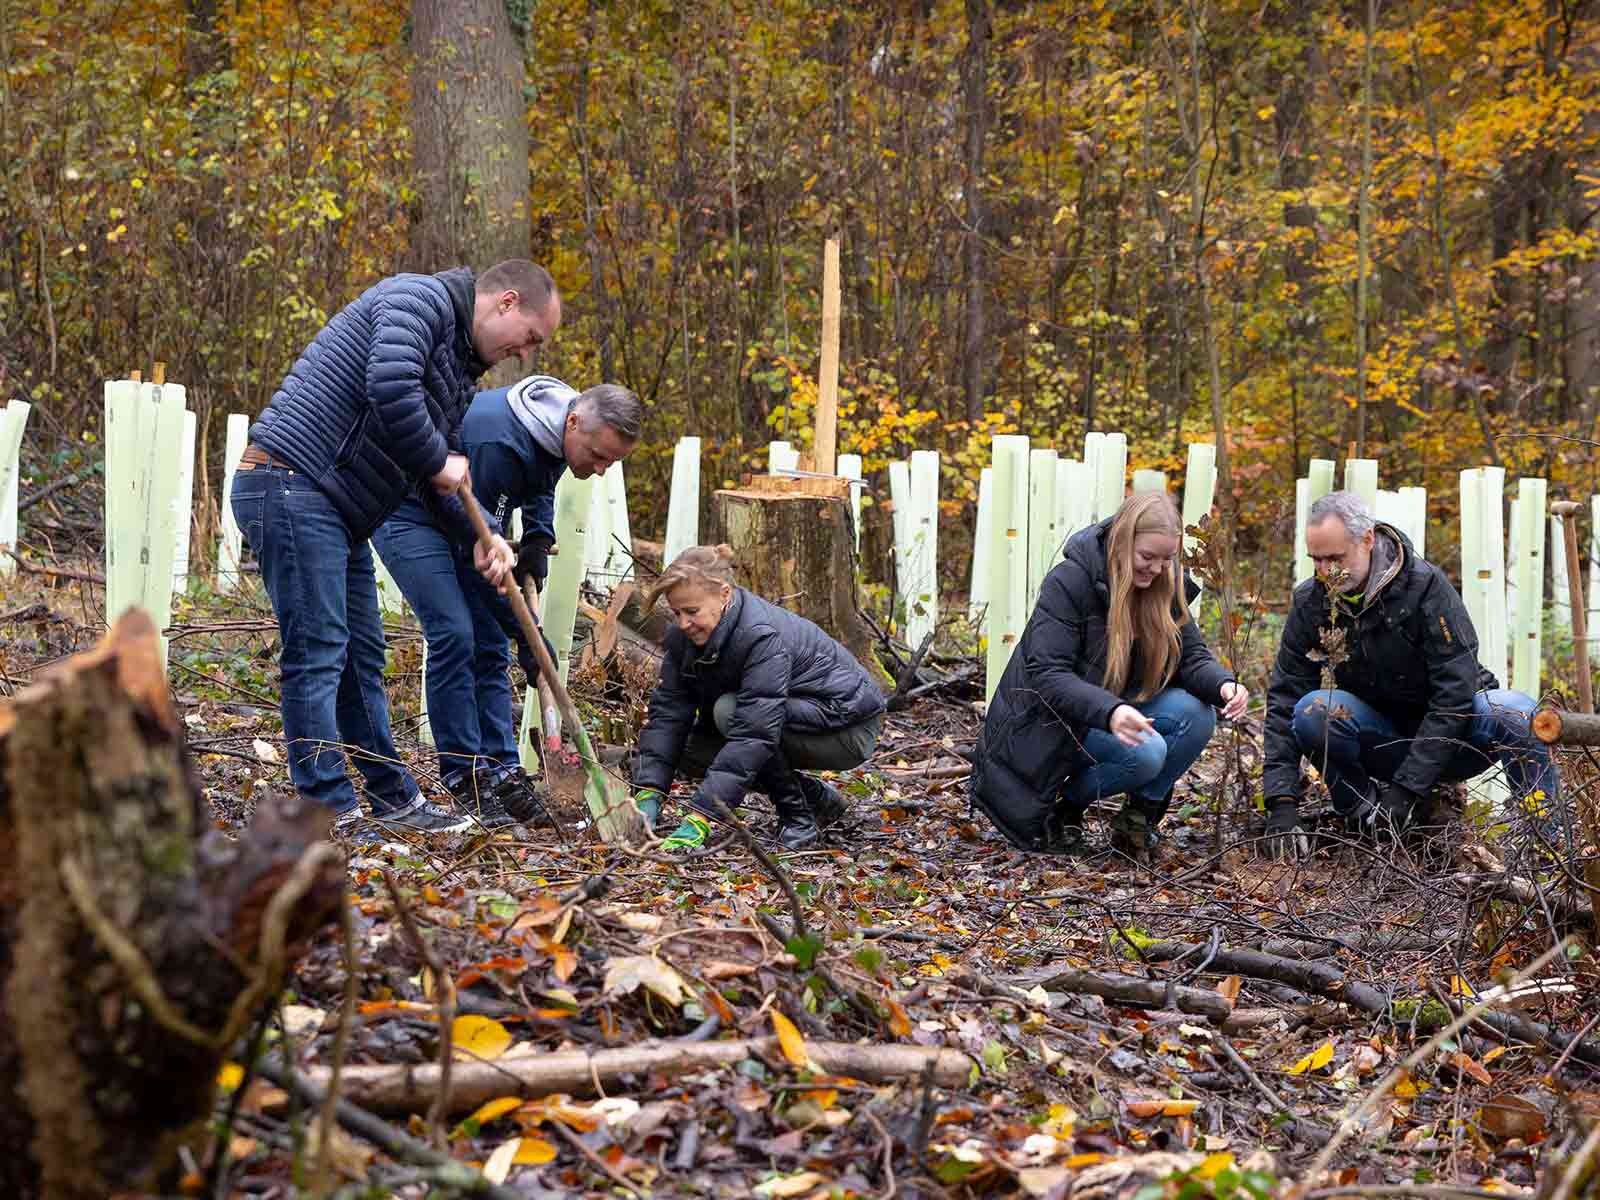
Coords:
pixel 369 412
pixel 519 441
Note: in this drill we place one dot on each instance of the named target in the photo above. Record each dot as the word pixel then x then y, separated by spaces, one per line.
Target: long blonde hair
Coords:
pixel 707 567
pixel 1146 618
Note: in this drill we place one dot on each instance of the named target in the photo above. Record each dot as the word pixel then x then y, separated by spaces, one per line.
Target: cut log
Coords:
pixel 411 1089
pixel 1556 727
pixel 794 544
pixel 134 945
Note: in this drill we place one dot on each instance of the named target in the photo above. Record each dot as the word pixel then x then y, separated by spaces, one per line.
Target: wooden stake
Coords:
pixel 825 442
pixel 158 373
pixel 1568 511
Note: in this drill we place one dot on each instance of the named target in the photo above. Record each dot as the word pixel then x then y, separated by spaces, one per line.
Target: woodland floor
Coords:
pixel 926 928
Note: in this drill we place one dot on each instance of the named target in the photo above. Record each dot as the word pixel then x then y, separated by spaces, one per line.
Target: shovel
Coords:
pixel 609 800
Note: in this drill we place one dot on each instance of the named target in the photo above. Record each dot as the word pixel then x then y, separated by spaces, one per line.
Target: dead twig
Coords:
pixel 594 1159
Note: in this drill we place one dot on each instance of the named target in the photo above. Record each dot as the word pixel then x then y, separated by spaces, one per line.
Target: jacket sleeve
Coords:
pixel 1199 673
pixel 404 331
pixel 1293 675
pixel 667 725
pixel 758 718
pixel 1450 657
pixel 539 515
pixel 1053 645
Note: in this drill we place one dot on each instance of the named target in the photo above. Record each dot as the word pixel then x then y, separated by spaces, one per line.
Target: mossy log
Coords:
pixel 797 548
pixel 135 943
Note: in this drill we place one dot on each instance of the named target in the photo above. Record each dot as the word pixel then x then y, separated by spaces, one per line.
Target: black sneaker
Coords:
pixel 477 795
pixel 521 799
pixel 423 816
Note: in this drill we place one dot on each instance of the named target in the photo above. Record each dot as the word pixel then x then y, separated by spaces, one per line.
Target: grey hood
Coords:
pixel 541 403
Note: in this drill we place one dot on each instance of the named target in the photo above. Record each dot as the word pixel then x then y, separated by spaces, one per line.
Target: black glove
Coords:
pixel 1286 837
pixel 529 663
pixel 533 559
pixel 1391 811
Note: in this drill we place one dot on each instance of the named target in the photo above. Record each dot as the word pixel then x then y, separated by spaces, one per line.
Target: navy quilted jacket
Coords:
pixel 372 406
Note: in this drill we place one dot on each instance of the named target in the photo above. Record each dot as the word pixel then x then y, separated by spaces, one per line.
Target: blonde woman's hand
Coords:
pixel 1130 725
pixel 1236 696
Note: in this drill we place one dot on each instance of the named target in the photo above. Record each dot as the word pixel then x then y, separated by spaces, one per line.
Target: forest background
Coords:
pixel 1323 227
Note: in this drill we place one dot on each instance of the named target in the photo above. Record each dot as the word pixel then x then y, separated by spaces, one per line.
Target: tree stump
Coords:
pixel 135 945
pixel 794 542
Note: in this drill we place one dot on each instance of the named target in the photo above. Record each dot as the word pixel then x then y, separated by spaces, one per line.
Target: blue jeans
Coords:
pixel 1146 772
pixel 326 599
pixel 1358 744
pixel 469 684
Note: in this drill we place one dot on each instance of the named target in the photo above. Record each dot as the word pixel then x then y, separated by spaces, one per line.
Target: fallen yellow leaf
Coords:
pixel 1315 1061
pixel 531 1151
pixel 230 1076
pixel 491 1109
pixel 790 1041
pixel 793 1185
pixel 479 1037
pixel 1213 1165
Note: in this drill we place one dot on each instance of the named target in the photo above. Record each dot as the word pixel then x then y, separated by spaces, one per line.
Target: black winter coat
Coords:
pixel 787 674
pixel 1051 693
pixel 1410 651
pixel 371 408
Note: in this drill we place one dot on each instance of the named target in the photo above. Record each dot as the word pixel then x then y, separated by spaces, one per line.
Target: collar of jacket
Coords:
pixel 461 285
pixel 724 630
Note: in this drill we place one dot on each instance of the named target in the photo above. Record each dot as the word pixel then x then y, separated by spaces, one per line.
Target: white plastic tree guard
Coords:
pixel 1593 598
pixel 13 420
pixel 559 607
pixel 1483 567
pixel 1318 483
pixel 1008 554
pixel 1110 473
pixel 391 601
pixel 230 542
pixel 922 548
pixel 183 507
pixel 1560 600
pixel 1361 477
pixel 1199 490
pixel 143 445
pixel 424 726
pixel 1043 519
pixel 781 456
pixel 1529 567
pixel 978 593
pixel 849 466
pixel 683 509
pixel 1513 535
pixel 609 546
pixel 900 521
pixel 1074 501
pixel 1147 479
pixel 1407 510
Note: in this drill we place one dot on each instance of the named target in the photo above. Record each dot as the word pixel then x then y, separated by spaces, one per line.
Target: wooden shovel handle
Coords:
pixel 519 606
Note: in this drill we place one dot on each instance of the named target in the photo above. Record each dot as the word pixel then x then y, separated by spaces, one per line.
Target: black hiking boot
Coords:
pixel 523 799
pixel 1133 830
pixel 475 794
pixel 827 803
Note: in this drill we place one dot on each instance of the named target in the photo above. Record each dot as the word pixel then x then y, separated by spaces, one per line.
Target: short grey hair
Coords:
pixel 1350 508
pixel 613 405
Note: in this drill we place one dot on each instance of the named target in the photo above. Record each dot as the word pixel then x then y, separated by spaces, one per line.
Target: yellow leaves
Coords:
pixel 790 1185
pixel 493 1109
pixel 1228 989
pixel 628 973
pixel 789 1040
pixel 1470 1067
pixel 533 1151
pixel 1410 1089
pixel 230 1076
pixel 475 1037
pixel 1213 1165
pixel 899 1019
pixel 523 1151
pixel 1315 1061
pixel 939 964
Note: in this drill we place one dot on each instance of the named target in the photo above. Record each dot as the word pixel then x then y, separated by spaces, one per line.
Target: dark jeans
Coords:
pixel 469 684
pixel 325 596
pixel 832 750
pixel 1357 744
pixel 1146 772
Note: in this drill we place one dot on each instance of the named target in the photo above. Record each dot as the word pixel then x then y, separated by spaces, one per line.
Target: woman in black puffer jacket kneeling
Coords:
pixel 1109 692
pixel 750 695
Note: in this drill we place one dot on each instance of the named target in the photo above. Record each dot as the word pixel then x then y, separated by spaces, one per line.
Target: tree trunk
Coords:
pixel 975 84
pixel 470 130
pixel 130 946
pixel 798 550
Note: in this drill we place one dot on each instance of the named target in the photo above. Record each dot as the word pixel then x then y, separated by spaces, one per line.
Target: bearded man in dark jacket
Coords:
pixel 1410 705
pixel 369 412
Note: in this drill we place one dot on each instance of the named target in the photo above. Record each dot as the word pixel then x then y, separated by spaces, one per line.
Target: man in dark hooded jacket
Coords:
pixel 369 412
pixel 1409 707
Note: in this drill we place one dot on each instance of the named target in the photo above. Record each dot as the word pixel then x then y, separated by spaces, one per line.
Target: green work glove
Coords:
pixel 648 802
pixel 691 835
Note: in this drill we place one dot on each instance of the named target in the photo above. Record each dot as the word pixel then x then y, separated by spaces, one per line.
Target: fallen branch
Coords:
pixel 1322 979
pixel 408 1088
pixel 1129 989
